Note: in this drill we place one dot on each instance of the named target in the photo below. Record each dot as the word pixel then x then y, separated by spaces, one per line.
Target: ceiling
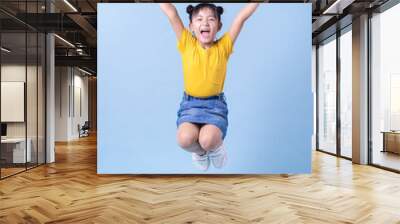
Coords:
pixel 76 22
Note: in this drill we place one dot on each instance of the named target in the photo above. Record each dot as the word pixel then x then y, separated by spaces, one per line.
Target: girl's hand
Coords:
pixel 241 17
pixel 172 14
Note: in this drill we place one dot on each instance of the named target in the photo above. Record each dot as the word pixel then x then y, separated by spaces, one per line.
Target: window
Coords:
pixel 385 88
pixel 346 92
pixel 327 95
pixel 22 78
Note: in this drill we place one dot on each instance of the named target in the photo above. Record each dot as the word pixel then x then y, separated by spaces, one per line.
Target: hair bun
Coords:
pixel 189 9
pixel 220 10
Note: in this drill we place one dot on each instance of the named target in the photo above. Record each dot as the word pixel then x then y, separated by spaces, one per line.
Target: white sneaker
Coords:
pixel 218 157
pixel 201 161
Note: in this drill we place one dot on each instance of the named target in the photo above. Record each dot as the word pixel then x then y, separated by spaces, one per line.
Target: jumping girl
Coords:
pixel 203 114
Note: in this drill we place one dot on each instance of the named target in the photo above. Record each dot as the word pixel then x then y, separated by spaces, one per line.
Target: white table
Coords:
pixel 19 149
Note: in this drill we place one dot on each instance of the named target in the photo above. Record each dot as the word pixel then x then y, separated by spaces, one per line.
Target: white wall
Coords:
pixel 70 83
pixel 33 127
pixel 15 72
pixel 62 82
pixel 81 89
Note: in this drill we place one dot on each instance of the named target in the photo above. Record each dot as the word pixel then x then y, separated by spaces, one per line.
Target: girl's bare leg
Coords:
pixel 210 137
pixel 188 136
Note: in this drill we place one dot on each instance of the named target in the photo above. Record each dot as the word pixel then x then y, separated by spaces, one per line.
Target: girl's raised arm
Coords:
pixel 173 16
pixel 241 17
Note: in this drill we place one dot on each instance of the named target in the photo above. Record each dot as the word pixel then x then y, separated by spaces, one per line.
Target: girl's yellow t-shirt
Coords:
pixel 204 70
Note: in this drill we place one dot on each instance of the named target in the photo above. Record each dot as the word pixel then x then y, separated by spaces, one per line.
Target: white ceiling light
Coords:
pixel 79 51
pixel 70 5
pixel 65 41
pixel 338 6
pixel 5 50
pixel 86 72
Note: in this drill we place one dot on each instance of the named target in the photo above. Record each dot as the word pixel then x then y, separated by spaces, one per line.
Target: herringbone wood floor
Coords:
pixel 70 191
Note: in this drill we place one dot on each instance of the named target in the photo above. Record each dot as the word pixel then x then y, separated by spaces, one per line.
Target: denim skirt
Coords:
pixel 209 110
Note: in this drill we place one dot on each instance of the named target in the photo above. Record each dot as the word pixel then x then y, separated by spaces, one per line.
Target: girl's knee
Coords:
pixel 209 141
pixel 185 139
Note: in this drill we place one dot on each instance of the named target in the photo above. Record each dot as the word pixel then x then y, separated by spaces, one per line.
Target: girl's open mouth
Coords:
pixel 205 33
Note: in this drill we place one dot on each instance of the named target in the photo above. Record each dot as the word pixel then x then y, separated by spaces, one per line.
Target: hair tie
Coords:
pixel 189 9
pixel 220 10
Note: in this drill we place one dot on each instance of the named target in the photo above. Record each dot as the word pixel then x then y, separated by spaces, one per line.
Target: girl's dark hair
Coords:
pixel 193 10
